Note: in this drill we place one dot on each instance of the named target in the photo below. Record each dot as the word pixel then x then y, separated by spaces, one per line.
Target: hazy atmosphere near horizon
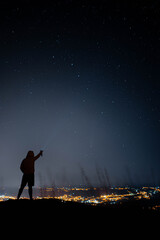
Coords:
pixel 81 81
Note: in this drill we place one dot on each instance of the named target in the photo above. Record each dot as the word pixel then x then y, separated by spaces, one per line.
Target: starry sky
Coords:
pixel 81 80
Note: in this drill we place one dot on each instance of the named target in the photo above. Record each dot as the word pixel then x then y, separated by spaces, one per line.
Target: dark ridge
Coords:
pixel 48 217
pixel 55 207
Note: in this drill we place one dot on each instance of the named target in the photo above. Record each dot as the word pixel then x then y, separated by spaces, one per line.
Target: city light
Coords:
pixel 92 196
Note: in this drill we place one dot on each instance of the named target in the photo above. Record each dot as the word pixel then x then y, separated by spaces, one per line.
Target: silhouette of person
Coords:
pixel 27 167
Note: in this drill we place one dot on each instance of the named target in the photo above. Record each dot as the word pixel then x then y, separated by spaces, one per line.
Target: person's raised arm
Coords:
pixel 38 155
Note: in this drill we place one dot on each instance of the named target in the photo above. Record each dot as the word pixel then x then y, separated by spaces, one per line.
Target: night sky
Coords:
pixel 81 80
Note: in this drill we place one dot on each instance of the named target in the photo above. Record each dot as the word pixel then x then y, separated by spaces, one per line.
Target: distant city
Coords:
pixel 82 194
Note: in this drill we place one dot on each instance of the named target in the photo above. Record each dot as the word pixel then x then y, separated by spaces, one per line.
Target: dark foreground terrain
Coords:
pixel 57 208
pixel 51 216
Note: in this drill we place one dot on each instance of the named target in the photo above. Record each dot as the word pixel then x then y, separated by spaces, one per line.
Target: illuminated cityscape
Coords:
pixel 92 196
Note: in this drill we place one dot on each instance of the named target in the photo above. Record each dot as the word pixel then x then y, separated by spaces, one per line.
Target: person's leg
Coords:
pixel 30 185
pixel 30 192
pixel 20 192
pixel 23 184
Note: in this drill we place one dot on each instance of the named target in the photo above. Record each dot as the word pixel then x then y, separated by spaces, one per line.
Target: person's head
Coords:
pixel 30 154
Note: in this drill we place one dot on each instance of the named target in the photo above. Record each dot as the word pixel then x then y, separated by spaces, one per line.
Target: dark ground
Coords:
pixel 51 216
